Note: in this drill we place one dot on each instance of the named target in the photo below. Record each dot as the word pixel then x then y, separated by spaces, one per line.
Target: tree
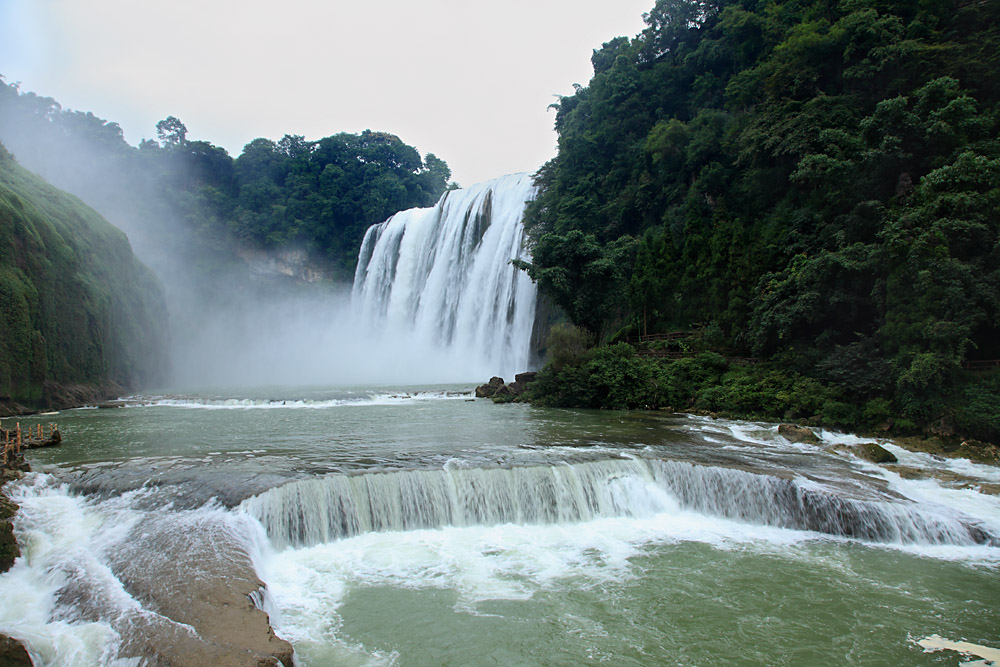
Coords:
pixel 171 131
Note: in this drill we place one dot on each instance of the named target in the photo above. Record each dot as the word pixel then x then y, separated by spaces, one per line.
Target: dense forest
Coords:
pixel 76 306
pixel 190 198
pixel 809 183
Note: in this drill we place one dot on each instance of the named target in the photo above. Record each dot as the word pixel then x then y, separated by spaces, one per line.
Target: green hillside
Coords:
pixel 813 184
pixel 77 307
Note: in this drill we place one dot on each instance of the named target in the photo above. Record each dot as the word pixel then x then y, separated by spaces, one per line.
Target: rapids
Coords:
pixel 414 526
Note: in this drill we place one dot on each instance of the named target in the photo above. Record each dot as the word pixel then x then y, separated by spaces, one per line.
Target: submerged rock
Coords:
pixel 793 433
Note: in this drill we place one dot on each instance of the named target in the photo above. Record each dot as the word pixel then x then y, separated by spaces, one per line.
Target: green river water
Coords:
pixel 415 526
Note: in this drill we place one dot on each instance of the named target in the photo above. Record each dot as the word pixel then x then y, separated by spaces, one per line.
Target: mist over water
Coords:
pixel 435 300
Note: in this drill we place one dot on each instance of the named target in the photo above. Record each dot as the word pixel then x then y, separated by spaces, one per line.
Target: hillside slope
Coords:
pixel 80 315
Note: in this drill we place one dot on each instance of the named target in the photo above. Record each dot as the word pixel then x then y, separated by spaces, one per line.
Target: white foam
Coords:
pixel 61 541
pixel 849 439
pixel 989 655
pixel 510 561
pixel 922 460
pixel 295 404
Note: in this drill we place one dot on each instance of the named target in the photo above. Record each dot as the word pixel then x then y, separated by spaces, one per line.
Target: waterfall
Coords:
pixel 441 279
pixel 321 510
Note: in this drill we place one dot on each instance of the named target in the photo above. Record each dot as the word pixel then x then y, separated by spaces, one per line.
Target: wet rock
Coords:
pixel 13 653
pixel 9 550
pixel 525 378
pixel 869 451
pixel 503 394
pixel 520 383
pixel 490 388
pixel 980 452
pixel 202 586
pixel 793 433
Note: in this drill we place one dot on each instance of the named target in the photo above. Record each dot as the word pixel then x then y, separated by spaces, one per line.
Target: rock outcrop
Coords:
pixel 869 451
pixel 505 393
pixel 490 388
pixel 9 550
pixel 13 653
pixel 793 433
pixel 980 452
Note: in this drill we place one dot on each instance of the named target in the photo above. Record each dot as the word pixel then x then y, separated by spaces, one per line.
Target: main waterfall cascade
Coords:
pixel 440 280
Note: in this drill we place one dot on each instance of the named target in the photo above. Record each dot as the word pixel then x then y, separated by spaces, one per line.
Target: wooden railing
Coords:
pixel 981 364
pixel 15 440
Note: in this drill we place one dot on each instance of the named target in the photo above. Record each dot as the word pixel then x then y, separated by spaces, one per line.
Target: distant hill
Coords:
pixel 80 316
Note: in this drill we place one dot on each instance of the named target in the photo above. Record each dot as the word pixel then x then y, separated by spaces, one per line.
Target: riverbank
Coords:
pixel 964 424
pixel 222 608
pixel 12 652
pixel 57 396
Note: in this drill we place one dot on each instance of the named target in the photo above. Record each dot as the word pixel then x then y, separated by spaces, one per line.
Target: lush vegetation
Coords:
pixel 76 307
pixel 812 183
pixel 192 198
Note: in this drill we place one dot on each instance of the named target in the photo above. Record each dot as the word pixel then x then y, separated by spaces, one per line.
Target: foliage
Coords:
pixel 198 201
pixel 76 306
pixel 816 183
pixel 978 412
pixel 567 344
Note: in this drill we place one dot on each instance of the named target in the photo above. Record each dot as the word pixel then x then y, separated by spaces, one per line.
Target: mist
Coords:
pixel 241 315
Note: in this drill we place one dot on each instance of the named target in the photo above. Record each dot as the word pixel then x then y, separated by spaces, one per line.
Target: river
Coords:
pixel 416 526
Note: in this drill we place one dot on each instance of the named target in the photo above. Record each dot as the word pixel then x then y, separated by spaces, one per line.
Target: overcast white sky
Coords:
pixel 467 80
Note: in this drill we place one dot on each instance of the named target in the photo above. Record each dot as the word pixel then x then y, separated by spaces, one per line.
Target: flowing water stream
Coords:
pixel 415 526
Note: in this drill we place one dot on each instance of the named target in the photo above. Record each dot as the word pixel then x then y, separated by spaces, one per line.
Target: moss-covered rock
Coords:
pixel 77 307
pixel 869 451
pixel 980 452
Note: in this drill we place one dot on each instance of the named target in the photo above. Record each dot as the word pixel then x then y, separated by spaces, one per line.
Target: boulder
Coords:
pixel 980 452
pixel 9 551
pixel 490 388
pixel 525 378
pixel 793 433
pixel 869 451
pixel 503 391
pixel 13 653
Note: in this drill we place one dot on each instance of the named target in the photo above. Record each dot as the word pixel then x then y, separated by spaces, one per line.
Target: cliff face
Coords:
pixel 78 312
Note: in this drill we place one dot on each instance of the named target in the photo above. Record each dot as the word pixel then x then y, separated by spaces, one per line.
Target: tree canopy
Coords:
pixel 818 181
pixel 319 195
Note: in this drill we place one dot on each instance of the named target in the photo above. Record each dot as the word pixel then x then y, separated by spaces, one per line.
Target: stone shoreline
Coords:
pixel 62 397
pixel 230 628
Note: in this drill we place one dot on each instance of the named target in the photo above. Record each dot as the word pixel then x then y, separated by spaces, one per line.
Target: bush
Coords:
pixel 978 414
pixel 567 344
pixel 876 411
pixel 838 413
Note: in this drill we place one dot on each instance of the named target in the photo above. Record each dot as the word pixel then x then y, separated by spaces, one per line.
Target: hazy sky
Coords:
pixel 465 79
